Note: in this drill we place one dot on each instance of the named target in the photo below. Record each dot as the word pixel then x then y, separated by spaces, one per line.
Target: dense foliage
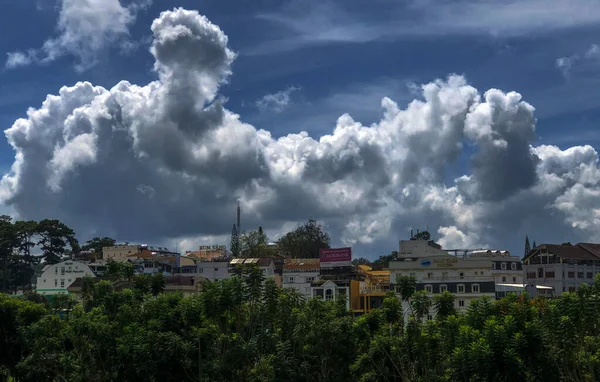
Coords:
pixel 248 329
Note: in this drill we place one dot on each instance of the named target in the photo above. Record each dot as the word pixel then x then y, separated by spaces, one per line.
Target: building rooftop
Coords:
pixel 584 251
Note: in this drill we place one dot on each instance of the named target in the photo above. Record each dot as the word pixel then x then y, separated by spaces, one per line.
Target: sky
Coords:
pixel 148 121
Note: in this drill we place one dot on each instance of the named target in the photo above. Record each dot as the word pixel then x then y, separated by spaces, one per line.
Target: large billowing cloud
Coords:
pixel 169 160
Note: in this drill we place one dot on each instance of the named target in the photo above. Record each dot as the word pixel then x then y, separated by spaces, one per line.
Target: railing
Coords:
pixel 367 290
pixel 458 278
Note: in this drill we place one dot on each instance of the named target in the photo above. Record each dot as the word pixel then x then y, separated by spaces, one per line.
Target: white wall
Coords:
pixel 214 270
pixel 58 277
pixel 299 281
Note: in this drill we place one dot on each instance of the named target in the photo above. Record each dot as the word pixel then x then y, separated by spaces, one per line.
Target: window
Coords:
pixel 216 269
pixel 460 288
pixel 55 271
pixel 475 288
pixel 514 279
pixel 443 288
pixel 428 289
pixel 62 283
pixel 69 280
pixel 493 265
pixel 530 275
pixel 310 279
pixel 503 265
pixel 291 280
pixel 430 275
pixel 590 275
pixel 550 275
pixel 572 289
pixel 513 266
pixel 429 317
pixel 503 279
pixel 62 270
pixel 579 275
pixel 461 275
pixel 328 295
pixel 44 280
pixel 571 275
pixel 461 303
pixel 540 273
pixel 200 270
pixel 55 282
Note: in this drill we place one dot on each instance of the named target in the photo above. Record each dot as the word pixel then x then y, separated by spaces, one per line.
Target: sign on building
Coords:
pixel 335 257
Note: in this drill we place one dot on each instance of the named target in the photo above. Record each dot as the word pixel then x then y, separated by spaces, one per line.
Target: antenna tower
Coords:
pixel 238 217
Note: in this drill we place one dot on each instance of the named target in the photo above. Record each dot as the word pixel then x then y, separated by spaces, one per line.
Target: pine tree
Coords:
pixel 534 245
pixel 527 246
pixel 235 242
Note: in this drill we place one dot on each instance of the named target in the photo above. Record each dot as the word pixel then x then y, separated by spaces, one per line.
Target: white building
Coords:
pixel 437 271
pixel 562 267
pixel 214 270
pixel 56 278
pixel 299 274
pixel 330 290
pixel 507 271
pixel 222 268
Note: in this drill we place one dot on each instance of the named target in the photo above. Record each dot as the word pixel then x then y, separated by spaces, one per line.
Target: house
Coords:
pixel 330 290
pixel 562 267
pixel 56 278
pixel 299 274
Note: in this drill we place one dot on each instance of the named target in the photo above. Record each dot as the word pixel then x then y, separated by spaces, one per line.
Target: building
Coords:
pixel 507 271
pixel 331 290
pixel 436 271
pixel 215 269
pixel 368 294
pixel 207 252
pixel 56 278
pixel 123 252
pixel 562 267
pixel 335 275
pixel 187 285
pixel 265 264
pixel 222 268
pixel 299 274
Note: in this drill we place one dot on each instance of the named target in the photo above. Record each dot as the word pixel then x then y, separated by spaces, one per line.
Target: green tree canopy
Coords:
pixel 305 241
pixel 55 239
pixel 255 244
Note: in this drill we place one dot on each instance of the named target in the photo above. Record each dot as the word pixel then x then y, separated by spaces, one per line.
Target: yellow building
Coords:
pixel 368 294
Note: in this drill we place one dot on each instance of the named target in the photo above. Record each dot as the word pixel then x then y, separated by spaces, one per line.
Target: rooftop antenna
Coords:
pixel 238 216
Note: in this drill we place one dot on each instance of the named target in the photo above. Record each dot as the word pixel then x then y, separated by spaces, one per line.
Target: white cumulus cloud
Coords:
pixel 86 28
pixel 167 160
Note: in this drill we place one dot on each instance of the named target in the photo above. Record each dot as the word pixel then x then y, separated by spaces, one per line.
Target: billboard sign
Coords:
pixel 335 257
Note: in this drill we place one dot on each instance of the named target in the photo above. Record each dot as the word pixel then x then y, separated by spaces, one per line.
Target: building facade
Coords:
pixel 299 274
pixel 562 267
pixel 56 278
pixel 436 271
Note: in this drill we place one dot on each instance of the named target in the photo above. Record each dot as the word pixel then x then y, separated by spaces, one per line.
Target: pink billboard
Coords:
pixel 335 257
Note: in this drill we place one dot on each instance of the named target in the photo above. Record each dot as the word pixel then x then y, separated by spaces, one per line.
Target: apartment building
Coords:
pixel 56 278
pixel 562 267
pixel 436 271
pixel 299 274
